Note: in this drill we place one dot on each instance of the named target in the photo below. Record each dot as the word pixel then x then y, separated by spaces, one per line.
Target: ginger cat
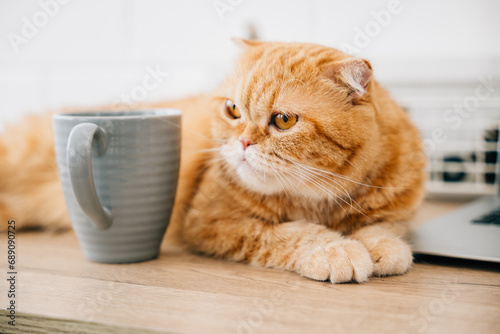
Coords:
pixel 299 161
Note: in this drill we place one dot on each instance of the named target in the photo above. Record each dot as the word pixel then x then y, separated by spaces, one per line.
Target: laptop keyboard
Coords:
pixel 493 217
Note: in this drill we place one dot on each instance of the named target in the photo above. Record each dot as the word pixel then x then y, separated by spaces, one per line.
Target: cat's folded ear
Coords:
pixel 354 74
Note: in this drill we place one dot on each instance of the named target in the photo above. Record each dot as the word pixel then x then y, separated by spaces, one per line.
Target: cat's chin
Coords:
pixel 256 180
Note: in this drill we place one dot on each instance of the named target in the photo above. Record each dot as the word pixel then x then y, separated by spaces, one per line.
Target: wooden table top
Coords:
pixel 59 291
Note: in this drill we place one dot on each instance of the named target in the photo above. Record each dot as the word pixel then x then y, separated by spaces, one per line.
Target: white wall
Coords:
pixel 91 52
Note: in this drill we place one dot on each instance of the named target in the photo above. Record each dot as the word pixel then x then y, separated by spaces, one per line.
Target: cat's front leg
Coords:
pixel 322 254
pixel 309 249
pixel 390 254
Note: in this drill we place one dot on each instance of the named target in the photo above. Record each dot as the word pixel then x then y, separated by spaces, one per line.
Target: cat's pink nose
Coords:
pixel 245 142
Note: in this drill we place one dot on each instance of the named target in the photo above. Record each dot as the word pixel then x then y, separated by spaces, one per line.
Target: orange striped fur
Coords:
pixel 329 198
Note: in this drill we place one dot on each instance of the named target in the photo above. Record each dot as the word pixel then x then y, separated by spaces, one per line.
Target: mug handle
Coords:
pixel 79 159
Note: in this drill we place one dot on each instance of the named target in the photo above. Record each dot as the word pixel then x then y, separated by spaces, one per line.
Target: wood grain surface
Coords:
pixel 59 291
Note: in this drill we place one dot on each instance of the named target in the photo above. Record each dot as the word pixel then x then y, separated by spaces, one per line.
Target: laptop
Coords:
pixel 469 232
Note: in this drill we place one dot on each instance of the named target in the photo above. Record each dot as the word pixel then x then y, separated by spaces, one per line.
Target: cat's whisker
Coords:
pixel 346 192
pixel 343 177
pixel 301 181
pixel 292 185
pixel 330 194
pixel 213 149
pixel 326 178
pixel 282 177
pixel 310 171
pixel 214 160
pixel 278 178
pixel 316 181
pixel 351 200
pixel 300 177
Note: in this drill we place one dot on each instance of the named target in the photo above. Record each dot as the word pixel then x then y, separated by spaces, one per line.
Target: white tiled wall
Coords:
pixel 93 51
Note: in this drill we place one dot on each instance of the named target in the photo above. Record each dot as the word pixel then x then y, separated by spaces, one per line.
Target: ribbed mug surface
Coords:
pixel 135 178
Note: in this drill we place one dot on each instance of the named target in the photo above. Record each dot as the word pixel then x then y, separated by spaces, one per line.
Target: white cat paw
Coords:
pixel 339 261
pixel 390 256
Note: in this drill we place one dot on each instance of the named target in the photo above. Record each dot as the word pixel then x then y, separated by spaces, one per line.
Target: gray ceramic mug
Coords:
pixel 119 174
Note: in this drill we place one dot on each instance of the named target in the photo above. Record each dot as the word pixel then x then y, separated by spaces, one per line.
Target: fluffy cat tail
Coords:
pixel 30 192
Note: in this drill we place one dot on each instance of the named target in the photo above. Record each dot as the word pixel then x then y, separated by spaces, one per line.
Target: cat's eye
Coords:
pixel 284 122
pixel 232 110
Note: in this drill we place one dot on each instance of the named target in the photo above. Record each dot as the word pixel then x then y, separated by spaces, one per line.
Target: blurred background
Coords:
pixel 440 60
